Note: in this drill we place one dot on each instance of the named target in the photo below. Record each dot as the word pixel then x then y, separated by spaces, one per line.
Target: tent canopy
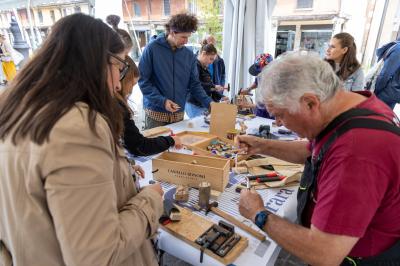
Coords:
pixel 247 28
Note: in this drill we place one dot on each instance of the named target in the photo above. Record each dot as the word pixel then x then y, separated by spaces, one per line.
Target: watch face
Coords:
pixel 261 218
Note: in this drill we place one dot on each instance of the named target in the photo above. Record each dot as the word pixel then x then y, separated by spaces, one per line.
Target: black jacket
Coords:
pixel 139 145
pixel 207 84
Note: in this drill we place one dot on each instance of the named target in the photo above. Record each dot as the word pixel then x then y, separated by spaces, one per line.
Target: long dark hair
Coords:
pixel 349 63
pixel 131 75
pixel 209 49
pixel 70 67
pixel 127 82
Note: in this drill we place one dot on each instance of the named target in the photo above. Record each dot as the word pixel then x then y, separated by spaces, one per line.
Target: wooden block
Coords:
pixel 182 193
pixel 214 195
pixel 191 226
pixel 222 118
pixel 153 132
pixel 240 170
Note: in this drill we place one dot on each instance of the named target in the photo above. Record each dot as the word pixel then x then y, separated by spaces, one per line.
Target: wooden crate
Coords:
pixel 198 142
pixel 193 138
pixel 191 170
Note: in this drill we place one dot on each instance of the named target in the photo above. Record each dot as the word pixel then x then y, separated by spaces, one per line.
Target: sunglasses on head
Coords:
pixel 124 70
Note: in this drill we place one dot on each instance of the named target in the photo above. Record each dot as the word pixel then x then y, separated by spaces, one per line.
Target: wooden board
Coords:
pixel 223 118
pixel 192 226
pixel 156 131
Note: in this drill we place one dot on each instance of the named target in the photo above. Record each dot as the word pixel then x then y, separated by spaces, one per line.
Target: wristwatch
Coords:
pixel 261 218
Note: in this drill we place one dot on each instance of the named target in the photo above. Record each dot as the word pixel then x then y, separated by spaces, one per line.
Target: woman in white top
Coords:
pixel 341 55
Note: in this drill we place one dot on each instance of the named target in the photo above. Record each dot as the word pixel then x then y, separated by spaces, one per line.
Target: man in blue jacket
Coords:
pixel 387 87
pixel 168 72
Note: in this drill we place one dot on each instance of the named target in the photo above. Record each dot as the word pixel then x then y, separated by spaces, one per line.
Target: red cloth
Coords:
pixel 358 186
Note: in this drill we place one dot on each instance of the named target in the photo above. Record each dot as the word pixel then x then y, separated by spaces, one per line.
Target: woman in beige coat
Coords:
pixel 67 196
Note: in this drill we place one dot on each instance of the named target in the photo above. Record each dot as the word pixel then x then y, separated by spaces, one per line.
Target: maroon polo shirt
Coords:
pixel 358 186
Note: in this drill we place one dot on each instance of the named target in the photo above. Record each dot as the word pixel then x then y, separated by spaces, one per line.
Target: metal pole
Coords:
pixel 378 38
pixel 28 10
pixel 133 28
pixel 15 11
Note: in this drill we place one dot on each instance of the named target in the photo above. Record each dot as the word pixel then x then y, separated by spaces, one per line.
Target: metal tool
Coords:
pixel 214 208
pixel 248 186
pixel 268 175
pixel 268 179
pixel 204 194
pixel 220 239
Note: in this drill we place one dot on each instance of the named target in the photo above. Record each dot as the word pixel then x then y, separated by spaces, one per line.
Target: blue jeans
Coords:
pixel 194 110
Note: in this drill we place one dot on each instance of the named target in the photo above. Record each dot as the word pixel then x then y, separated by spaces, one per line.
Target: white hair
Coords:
pixel 284 81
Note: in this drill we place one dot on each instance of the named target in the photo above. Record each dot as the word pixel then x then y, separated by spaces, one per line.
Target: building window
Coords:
pixel 167 7
pixel 316 38
pixel 52 16
pixel 136 9
pixel 40 15
pixel 64 12
pixel 284 39
pixel 305 3
pixel 77 9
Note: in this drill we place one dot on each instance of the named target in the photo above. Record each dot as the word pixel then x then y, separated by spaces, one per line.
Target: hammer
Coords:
pixel 214 208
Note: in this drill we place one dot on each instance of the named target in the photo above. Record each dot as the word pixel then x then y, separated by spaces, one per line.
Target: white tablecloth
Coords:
pixel 279 201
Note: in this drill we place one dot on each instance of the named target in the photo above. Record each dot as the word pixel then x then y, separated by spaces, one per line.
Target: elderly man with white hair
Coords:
pixel 349 194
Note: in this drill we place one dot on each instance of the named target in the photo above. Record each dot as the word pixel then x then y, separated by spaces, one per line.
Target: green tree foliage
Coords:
pixel 210 15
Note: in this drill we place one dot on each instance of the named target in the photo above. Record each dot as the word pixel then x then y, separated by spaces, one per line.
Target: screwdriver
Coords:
pixel 254 177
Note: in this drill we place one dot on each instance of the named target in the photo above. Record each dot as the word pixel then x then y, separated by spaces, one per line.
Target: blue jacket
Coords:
pixel 218 74
pixel 387 86
pixel 167 74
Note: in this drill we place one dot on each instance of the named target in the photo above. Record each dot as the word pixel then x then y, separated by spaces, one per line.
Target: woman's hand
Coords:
pixel 178 143
pixel 138 170
pixel 156 187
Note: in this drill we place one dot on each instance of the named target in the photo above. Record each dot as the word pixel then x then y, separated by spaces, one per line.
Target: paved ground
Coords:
pixel 284 259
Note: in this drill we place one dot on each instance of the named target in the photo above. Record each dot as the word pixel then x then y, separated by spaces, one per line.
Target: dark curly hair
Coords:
pixel 182 22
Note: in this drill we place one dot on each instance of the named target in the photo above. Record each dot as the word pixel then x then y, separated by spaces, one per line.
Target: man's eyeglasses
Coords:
pixel 124 69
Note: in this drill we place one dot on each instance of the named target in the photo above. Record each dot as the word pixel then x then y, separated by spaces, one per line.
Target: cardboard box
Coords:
pixel 190 170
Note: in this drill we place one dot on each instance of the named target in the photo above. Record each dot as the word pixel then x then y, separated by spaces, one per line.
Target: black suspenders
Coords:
pixel 353 118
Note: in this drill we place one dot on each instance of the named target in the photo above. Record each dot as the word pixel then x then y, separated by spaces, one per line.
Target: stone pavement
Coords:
pixel 284 259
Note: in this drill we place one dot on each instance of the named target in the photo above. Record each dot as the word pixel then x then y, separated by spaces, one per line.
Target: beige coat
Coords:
pixel 71 201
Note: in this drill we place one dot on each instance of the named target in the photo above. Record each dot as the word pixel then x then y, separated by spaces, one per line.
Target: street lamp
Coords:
pixel 19 43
